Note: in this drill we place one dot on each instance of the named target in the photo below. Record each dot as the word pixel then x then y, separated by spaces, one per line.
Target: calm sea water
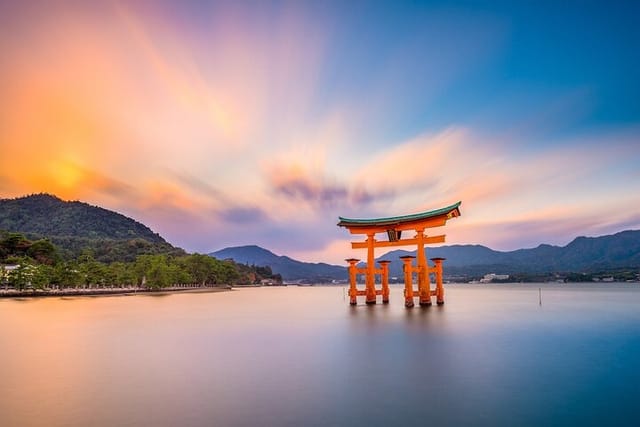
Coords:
pixel 492 356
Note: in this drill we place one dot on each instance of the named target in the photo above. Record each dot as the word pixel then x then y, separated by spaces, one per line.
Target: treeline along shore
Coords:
pixel 31 268
pixel 108 290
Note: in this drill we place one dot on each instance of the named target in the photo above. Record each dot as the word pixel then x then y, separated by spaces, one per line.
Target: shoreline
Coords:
pixel 73 292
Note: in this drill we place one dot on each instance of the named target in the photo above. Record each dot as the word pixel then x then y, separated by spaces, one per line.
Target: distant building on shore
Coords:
pixel 488 278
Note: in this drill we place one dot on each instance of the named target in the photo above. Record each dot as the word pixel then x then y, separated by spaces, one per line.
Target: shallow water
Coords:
pixel 492 356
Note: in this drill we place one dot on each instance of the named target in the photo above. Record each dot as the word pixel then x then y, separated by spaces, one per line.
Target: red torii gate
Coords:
pixel 393 227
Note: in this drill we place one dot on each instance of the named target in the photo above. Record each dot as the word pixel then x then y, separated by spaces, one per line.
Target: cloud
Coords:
pixel 243 215
pixel 416 163
pixel 629 222
pixel 510 197
pixel 196 185
pixel 304 189
pixel 558 223
pixel 287 237
pixel 302 185
pixel 99 182
pixel 237 128
pixel 361 196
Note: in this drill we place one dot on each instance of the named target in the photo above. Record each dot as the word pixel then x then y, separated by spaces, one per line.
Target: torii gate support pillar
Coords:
pixel 408 280
pixel 439 285
pixel 384 267
pixel 353 271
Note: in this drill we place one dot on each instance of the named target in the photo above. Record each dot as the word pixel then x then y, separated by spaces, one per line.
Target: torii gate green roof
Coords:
pixel 396 220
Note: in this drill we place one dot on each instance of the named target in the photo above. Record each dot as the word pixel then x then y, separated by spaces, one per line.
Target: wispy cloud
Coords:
pixel 243 215
pixel 305 190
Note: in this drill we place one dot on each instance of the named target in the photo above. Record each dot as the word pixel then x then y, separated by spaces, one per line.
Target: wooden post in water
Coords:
pixel 353 290
pixel 408 280
pixel 384 266
pixel 439 281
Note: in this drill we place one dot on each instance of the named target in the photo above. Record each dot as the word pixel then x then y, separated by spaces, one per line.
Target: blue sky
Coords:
pixel 229 123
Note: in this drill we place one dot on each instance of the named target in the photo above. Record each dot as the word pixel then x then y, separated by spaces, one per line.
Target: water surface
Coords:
pixel 492 356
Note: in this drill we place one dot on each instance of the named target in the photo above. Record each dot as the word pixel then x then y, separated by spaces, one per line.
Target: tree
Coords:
pixel 201 268
pixel 41 276
pixel 158 275
pixel 227 272
pixel 141 268
pixel 121 274
pixel 4 277
pixel 93 272
pixel 66 274
pixel 21 277
pixel 178 271
pixel 153 271
pixel 15 244
pixel 43 251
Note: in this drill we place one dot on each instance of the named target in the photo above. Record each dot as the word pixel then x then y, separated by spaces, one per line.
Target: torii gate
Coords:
pixel 394 226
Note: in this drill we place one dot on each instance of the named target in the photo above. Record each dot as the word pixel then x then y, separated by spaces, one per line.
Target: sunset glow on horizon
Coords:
pixel 230 123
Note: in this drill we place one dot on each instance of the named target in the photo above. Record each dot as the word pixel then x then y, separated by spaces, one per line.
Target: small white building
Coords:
pixel 9 268
pixel 488 278
pixel 5 272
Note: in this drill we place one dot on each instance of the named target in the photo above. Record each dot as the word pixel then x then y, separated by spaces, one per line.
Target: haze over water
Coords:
pixel 492 356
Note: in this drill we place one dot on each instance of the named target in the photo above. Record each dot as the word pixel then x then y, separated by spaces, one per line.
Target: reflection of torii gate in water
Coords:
pixel 394 226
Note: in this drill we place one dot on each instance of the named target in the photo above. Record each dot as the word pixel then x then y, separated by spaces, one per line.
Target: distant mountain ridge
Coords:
pixel 289 268
pixel 76 226
pixel 583 254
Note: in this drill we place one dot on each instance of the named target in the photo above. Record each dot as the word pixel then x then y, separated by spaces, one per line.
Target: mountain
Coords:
pixel 76 226
pixel 289 268
pixel 583 254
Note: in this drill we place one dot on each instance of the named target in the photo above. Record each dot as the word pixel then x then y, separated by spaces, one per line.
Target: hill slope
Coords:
pixel 288 268
pixel 76 226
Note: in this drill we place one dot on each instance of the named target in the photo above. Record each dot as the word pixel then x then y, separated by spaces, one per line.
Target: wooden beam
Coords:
pixel 428 223
pixel 402 242
pixel 438 221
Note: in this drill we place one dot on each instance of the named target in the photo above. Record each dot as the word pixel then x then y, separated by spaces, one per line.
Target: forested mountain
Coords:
pixel 50 242
pixel 288 268
pixel 76 226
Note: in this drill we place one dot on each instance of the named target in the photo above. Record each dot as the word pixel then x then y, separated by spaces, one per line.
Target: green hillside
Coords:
pixel 75 227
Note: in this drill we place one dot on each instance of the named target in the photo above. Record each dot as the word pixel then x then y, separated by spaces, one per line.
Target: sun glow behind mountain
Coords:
pixel 226 123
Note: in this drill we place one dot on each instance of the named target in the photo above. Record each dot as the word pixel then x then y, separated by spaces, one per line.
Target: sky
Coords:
pixel 232 123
